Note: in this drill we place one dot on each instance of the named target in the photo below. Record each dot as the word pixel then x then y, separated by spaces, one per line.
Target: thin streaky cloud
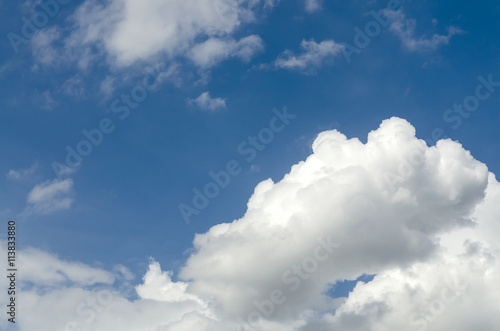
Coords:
pixel 313 55
pixel 404 28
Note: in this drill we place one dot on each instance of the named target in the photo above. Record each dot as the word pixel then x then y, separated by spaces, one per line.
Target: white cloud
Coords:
pixel 107 86
pixel 404 28
pixel 124 272
pixel 73 86
pixel 313 5
pixel 206 102
pixel 457 289
pixel 50 196
pixel 340 191
pixel 313 55
pixel 64 295
pixel 44 100
pixel 42 269
pixel 430 224
pixel 158 286
pixel 127 31
pixel 22 173
pixel 214 50
pixel 43 48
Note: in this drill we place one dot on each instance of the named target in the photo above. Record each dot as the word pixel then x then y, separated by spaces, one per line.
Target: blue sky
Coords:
pixel 219 78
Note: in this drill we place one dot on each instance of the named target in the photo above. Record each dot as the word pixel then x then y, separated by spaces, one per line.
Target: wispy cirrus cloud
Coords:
pixel 404 28
pixel 313 55
pixel 312 6
pixel 214 50
pixel 22 173
pixel 50 196
pixel 44 269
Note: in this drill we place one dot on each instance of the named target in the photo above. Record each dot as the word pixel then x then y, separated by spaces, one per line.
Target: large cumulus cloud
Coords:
pixel 422 219
pixel 342 193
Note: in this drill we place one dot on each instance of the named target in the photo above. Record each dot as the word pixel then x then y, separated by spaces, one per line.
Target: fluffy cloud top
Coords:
pixel 422 219
pixel 158 286
pixel 343 193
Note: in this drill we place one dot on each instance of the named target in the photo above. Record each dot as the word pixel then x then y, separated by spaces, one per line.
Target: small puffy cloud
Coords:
pixel 107 87
pixel 73 86
pixel 214 50
pixel 22 173
pixel 312 6
pixel 206 102
pixel 254 168
pixel 50 196
pixel 404 28
pixel 313 55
